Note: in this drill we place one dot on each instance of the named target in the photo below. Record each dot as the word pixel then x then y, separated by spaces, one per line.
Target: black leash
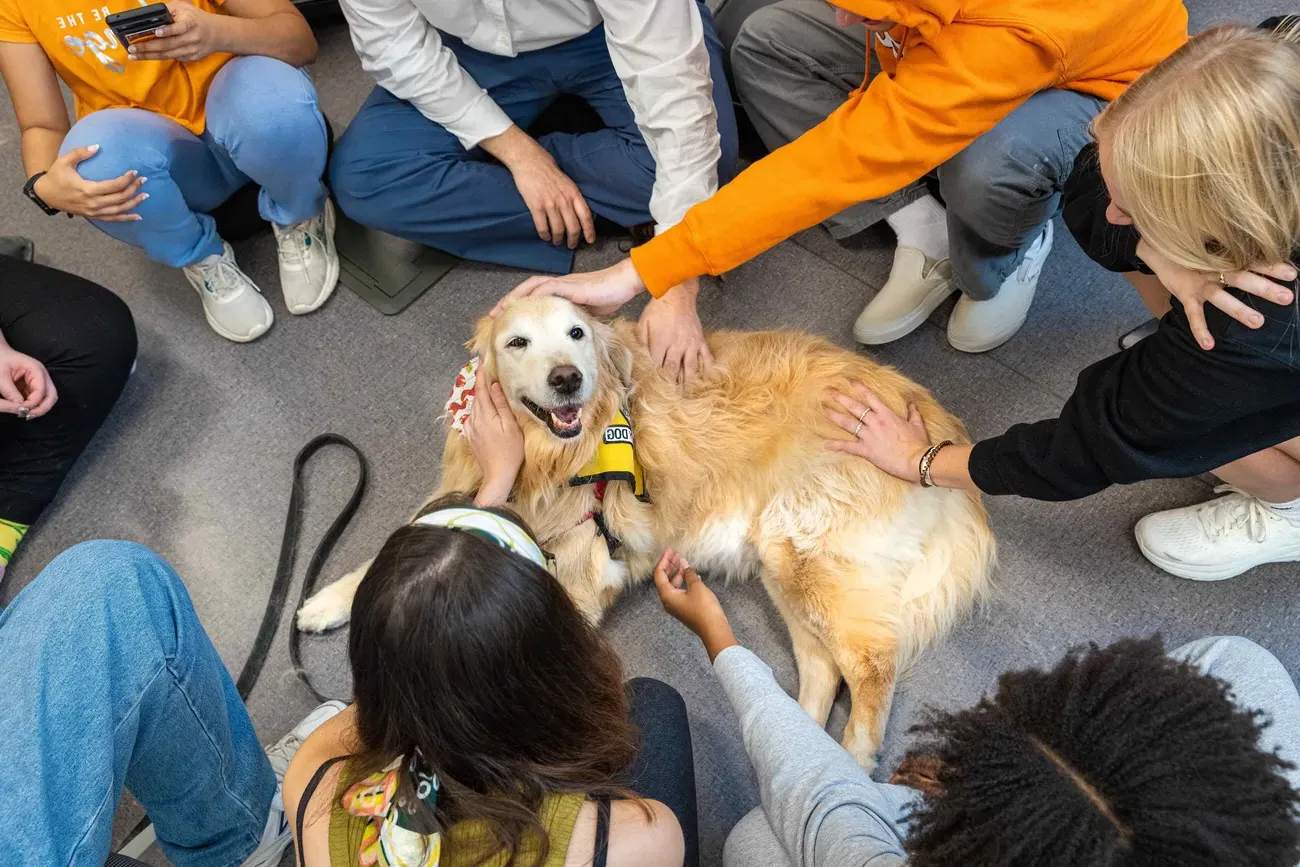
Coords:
pixel 284 571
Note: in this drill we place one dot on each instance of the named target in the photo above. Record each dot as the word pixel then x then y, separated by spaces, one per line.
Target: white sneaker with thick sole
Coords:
pixel 917 284
pixel 278 834
pixel 1219 538
pixel 978 326
pixel 309 262
pixel 232 303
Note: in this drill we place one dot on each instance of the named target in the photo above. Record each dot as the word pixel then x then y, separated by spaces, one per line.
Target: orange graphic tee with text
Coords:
pixel 94 64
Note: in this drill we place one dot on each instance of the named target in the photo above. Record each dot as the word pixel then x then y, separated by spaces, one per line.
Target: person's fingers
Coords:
pixel 914 417
pixel 1196 321
pixel 539 221
pixel 34 387
pixel 870 398
pixel 123 218
pixel 852 407
pixel 706 358
pixel 692 577
pixel 1283 271
pixel 848 423
pixel 1243 313
pixel 51 397
pixel 556 222
pixel 77 156
pixel 586 219
pixel 118 210
pixel 9 390
pixel 690 363
pixel 643 331
pixel 528 287
pixel 132 191
pixel 484 410
pixel 854 447
pixel 673 360
pixel 499 402
pixel 1262 286
pixel 100 189
pixel 572 225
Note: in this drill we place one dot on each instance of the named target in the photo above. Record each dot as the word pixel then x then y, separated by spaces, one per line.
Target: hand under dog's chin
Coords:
pixel 563 421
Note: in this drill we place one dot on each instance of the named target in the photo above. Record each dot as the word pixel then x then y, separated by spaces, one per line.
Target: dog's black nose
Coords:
pixel 565 379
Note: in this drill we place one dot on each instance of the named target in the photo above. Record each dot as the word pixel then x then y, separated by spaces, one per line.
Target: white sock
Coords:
pixel 1289 512
pixel 923 225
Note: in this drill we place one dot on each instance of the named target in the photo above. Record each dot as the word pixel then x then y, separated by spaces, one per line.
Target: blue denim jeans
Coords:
pixel 398 171
pixel 263 125
pixel 110 681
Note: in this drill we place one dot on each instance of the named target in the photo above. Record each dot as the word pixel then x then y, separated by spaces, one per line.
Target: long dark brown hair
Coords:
pixel 475 659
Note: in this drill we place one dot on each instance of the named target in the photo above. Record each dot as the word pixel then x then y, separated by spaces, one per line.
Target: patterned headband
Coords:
pixel 488 525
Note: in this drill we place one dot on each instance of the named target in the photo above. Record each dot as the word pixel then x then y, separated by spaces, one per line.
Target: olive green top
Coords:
pixel 462 843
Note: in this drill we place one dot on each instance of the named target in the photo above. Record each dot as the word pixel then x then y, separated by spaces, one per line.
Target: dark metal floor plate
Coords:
pixel 389 273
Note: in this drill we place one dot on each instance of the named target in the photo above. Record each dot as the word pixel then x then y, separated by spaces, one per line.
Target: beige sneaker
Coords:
pixel 978 326
pixel 232 303
pixel 916 286
pixel 309 263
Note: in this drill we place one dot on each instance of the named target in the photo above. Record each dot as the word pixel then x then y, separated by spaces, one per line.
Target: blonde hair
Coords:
pixel 1205 149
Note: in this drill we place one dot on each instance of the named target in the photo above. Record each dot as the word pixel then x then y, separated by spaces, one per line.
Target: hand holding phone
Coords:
pixel 137 25
pixel 191 35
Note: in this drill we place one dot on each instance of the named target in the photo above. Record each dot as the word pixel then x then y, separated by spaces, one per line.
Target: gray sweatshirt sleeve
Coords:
pixel 825 810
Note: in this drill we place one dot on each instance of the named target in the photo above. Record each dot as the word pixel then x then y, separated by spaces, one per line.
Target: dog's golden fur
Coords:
pixel 865 569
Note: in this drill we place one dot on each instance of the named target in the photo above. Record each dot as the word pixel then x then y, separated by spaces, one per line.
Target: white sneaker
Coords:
pixel 978 326
pixel 309 262
pixel 1219 538
pixel 278 833
pixel 917 284
pixel 232 303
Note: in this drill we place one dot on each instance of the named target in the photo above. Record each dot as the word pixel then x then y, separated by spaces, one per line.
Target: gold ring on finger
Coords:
pixel 856 429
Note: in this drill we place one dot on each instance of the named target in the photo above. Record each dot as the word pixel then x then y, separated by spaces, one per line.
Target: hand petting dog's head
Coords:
pixel 549 357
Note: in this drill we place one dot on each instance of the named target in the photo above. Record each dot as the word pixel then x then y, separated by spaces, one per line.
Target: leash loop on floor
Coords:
pixel 288 556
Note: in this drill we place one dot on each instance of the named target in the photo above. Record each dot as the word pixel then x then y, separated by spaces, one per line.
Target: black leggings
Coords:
pixel 85 337
pixel 664 767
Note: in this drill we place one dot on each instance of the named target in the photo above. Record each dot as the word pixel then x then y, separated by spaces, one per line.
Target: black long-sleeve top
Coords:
pixel 1164 408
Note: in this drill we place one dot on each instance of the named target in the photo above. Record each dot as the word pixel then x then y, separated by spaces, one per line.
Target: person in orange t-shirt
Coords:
pixel 169 127
pixel 994 95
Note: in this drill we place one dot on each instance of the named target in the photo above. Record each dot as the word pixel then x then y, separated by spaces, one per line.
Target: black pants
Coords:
pixel 85 337
pixel 664 768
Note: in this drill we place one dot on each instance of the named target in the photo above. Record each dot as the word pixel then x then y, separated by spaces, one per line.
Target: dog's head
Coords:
pixel 554 361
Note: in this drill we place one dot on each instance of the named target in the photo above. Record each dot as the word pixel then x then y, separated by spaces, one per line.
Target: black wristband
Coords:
pixel 29 190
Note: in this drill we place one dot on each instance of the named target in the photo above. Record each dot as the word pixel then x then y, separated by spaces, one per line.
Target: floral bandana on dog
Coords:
pixel 389 839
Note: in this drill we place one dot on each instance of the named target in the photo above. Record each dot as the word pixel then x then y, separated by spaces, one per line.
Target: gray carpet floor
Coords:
pixel 195 461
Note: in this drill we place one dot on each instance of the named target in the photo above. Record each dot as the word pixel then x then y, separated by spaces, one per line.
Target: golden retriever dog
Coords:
pixel 865 569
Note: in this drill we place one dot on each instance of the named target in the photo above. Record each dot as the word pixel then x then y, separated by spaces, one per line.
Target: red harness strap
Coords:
pixel 593 515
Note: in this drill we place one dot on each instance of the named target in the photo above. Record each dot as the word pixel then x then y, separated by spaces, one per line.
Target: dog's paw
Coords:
pixel 327 609
pixel 615 575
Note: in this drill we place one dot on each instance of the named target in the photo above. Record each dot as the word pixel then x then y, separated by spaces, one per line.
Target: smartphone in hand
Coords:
pixel 137 25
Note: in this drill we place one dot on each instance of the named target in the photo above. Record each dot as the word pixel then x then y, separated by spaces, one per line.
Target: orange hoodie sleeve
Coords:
pixel 946 92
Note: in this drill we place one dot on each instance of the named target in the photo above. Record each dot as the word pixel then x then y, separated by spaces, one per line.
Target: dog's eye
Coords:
pixel 517 342
pixel 577 333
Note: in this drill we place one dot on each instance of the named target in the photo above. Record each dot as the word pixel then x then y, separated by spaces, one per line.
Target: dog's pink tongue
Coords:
pixel 566 414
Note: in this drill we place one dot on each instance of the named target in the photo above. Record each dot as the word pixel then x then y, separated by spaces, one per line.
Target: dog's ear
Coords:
pixel 481 345
pixel 616 354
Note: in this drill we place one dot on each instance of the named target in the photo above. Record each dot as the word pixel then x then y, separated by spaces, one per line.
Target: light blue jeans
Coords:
pixel 109 680
pixel 263 125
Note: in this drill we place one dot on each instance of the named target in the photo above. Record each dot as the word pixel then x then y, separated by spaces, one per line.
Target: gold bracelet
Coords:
pixel 927 460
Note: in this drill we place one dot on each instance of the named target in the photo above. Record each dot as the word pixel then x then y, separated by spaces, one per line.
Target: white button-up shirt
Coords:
pixel 657 47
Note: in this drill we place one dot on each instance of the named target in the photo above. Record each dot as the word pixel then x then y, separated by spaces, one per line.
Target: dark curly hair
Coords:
pixel 1117 756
